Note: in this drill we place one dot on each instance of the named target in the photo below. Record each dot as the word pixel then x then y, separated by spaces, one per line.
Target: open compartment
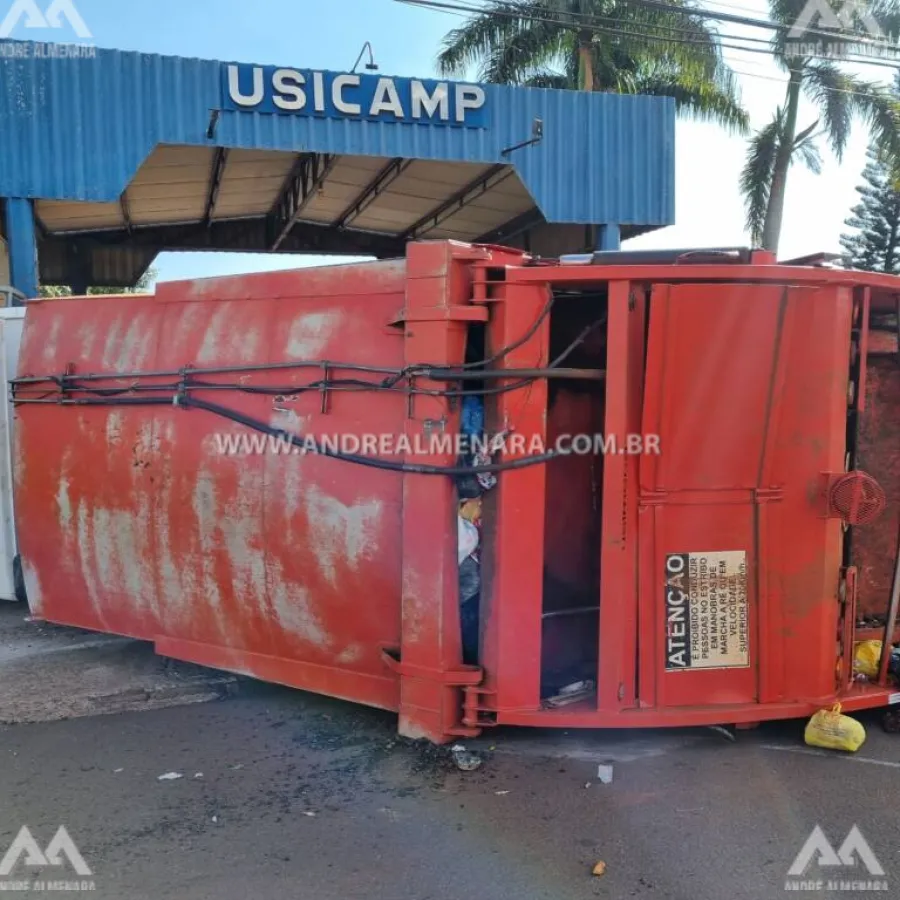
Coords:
pixel 874 448
pixel 573 506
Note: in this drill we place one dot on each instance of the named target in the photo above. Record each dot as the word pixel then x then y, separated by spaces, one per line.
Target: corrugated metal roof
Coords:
pixel 79 129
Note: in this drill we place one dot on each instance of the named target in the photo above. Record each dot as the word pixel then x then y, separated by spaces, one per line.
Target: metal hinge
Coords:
pixel 475 715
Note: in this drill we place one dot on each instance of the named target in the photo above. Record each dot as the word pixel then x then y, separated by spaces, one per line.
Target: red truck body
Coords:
pixel 717 581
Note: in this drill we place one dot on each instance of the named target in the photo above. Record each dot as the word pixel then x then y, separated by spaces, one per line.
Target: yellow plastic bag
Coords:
pixel 866 657
pixel 833 731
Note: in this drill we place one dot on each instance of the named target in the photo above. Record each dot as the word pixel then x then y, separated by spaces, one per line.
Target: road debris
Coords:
pixel 465 760
pixel 866 658
pixel 605 773
pixel 170 776
pixel 571 693
pixel 501 793
pixel 599 869
pixel 831 730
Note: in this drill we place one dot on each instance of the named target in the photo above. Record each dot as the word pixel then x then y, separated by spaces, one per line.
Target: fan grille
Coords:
pixel 857 498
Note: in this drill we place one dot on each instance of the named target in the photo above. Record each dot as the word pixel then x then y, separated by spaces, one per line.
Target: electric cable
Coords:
pixel 511 10
pixel 852 39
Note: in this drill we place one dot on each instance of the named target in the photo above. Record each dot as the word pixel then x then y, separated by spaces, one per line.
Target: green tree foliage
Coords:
pixel 600 45
pixel 840 98
pixel 873 241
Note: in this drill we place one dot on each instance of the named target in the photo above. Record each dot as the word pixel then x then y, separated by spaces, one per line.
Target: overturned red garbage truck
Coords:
pixel 698 521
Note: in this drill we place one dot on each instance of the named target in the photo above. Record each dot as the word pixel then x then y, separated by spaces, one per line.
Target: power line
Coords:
pixel 736 6
pixel 464 8
pixel 511 12
pixel 459 8
pixel 585 19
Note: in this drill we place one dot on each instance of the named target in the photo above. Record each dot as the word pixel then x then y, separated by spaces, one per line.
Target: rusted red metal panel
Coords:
pixel 617 679
pixel 438 288
pixel 342 579
pixel 515 564
pixel 133 521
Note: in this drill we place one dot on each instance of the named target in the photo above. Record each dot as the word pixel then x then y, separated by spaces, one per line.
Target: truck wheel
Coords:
pixel 890 721
pixel 19 580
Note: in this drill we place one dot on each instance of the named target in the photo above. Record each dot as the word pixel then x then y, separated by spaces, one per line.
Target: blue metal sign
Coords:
pixel 280 91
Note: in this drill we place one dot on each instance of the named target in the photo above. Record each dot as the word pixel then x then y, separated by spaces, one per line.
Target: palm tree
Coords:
pixel 600 45
pixel 840 98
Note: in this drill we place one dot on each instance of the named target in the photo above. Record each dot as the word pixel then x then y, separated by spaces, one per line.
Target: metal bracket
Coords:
pixel 537 135
pixel 462 676
pixel 309 175
pixel 475 716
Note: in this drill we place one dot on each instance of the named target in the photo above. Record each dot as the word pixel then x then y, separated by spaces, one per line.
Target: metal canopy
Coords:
pixel 121 155
pixel 194 197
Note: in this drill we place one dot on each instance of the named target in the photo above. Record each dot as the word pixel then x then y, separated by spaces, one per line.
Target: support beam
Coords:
pixel 126 211
pixel 513 228
pixel 220 158
pixel 377 186
pixel 609 237
pixel 22 244
pixel 309 174
pixel 252 235
pixel 485 182
pixel 79 267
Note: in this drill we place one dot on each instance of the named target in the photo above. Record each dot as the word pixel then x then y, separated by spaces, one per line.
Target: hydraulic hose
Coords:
pixel 187 402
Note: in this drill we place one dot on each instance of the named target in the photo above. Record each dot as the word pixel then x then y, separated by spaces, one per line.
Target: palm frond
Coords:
pixel 483 35
pixel 843 96
pixel 664 49
pixel 548 79
pixel 699 99
pixel 534 47
pixel 809 154
pixel 806 150
pixel 756 176
pixel 827 87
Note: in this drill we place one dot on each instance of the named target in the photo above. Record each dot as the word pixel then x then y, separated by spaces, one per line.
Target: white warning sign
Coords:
pixel 707 610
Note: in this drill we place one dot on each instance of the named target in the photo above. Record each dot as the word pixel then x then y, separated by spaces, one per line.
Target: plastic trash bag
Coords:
pixel 468 539
pixel 472 418
pixel 829 729
pixel 469 580
pixel 866 657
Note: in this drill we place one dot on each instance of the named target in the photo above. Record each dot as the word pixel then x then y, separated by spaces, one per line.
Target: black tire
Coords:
pixel 19 580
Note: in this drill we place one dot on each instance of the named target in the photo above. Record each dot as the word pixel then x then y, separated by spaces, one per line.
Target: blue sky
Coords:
pixel 329 34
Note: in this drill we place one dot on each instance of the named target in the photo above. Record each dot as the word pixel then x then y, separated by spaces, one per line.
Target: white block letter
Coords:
pixel 468 96
pixel 289 93
pixel 337 94
pixel 386 99
pixel 234 87
pixel 425 105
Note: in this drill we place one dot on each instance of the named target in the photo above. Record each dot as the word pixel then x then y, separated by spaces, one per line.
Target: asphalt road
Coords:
pixel 289 795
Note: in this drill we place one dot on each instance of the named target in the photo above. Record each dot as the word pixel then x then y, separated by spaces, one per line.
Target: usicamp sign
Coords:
pixel 304 92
